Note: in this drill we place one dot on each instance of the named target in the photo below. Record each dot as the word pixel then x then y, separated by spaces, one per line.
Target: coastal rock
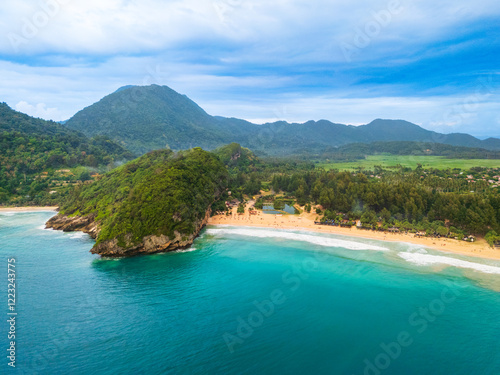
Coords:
pixel 86 224
pixel 110 248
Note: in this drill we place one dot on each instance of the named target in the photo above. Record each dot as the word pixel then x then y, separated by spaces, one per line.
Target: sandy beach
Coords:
pixel 305 221
pixel 28 209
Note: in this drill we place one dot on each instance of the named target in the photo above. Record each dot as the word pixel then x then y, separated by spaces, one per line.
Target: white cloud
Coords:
pixel 251 59
pixel 38 110
pixel 442 114
pixel 132 26
pixel 64 91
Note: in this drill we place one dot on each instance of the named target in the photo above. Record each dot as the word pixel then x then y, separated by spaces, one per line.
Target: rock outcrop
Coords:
pixel 149 245
pixel 65 223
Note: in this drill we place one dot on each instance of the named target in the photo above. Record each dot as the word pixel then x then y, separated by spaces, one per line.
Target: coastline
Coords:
pixel 305 221
pixel 28 209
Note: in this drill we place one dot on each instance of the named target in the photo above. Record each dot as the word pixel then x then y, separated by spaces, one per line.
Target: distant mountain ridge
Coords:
pixel 144 118
pixel 31 149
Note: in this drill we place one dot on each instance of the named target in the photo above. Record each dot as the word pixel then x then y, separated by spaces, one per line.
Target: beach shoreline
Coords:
pixel 305 222
pixel 28 209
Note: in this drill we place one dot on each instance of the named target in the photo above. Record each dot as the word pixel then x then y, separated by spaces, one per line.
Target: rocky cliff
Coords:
pixel 65 223
pixel 110 248
pixel 156 203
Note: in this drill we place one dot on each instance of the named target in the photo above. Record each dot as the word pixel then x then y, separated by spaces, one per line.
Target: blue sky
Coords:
pixel 432 63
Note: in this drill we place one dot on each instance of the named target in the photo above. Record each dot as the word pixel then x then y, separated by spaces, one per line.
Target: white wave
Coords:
pixel 317 240
pixel 428 260
pixel 78 235
pixel 415 248
pixel 188 250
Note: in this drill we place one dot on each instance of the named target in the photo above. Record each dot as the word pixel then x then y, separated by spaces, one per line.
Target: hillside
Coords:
pixel 158 202
pixel 144 118
pixel 30 146
pixel 235 156
pixel 153 117
pixel 355 151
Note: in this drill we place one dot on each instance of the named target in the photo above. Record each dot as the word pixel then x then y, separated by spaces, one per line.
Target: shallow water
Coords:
pixel 248 301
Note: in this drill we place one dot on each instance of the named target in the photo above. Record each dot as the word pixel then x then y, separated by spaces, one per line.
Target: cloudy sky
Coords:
pixel 434 63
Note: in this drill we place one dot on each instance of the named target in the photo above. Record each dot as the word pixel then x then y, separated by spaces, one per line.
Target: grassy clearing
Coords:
pixel 387 161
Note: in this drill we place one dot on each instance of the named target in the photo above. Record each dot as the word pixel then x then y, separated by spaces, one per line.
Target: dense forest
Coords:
pixel 32 150
pixel 392 198
pixel 451 203
pixel 356 151
pixel 248 174
pixel 154 117
pixel 159 193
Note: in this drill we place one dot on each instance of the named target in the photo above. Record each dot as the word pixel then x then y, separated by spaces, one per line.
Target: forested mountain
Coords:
pixel 353 151
pixel 143 118
pixel 155 203
pixel 153 117
pixel 29 146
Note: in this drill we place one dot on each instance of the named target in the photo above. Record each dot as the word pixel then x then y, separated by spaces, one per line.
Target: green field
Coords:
pixel 387 161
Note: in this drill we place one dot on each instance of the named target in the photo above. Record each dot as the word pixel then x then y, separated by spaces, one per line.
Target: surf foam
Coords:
pixel 78 235
pixel 188 250
pixel 316 240
pixel 428 260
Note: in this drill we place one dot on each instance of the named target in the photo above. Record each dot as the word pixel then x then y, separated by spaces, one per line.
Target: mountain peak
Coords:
pixel 144 118
pixel 391 122
pixel 124 88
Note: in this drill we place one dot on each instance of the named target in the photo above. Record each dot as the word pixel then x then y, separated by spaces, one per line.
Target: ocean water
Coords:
pixel 247 301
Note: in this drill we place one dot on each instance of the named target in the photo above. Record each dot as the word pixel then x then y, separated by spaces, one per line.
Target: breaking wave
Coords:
pixel 78 235
pixel 428 260
pixel 316 240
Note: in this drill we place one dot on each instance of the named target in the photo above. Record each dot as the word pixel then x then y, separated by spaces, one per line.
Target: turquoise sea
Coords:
pixel 247 301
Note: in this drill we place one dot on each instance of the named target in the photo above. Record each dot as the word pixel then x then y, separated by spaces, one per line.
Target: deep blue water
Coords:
pixel 340 306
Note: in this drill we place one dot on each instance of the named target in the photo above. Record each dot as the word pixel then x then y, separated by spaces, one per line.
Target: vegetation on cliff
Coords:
pixel 160 193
